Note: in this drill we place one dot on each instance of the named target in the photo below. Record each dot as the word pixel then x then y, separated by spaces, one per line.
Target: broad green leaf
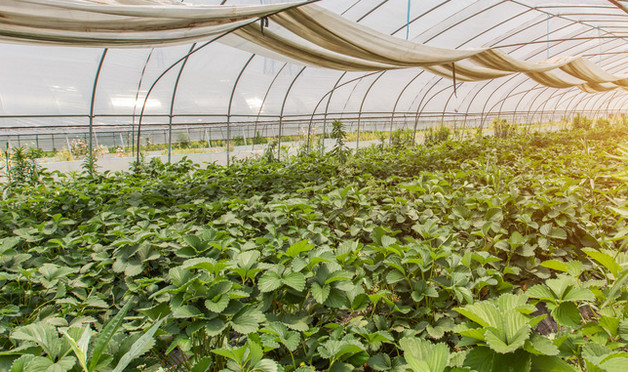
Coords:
pixel 540 345
pixel 215 327
pixel 618 286
pixel 80 348
pixel 567 314
pixel 483 359
pixel 41 364
pixel 295 281
pixel 571 267
pixel 394 276
pixel 185 311
pixel 319 293
pixel 339 275
pixel 247 259
pixel 543 363
pixel 501 342
pixel 265 365
pixel 292 340
pixel 380 362
pixel 578 294
pixel 218 304
pixel 483 313
pixel 622 330
pixel 247 320
pixel 618 364
pixel 19 364
pixel 604 259
pixel 557 233
pixel 424 356
pixel 298 248
pixel 195 242
pixel 269 281
pixel 139 347
pixel 208 264
pixel 202 365
pixel 43 334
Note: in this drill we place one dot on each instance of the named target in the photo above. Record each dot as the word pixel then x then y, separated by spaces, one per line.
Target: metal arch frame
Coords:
pixel 488 83
pixel 480 89
pixel 174 96
pixel 439 79
pixel 467 41
pixel 368 90
pixel 560 16
pixel 329 94
pixel 176 63
pixel 272 83
pixel 233 90
pixel 422 106
pixel 93 101
pixel 405 88
pixel 430 38
pixel 261 107
pixel 137 98
pixel 514 76
pixel 283 105
pixel 605 98
pixel 381 74
pixel 139 125
pixel 555 91
pixel 621 102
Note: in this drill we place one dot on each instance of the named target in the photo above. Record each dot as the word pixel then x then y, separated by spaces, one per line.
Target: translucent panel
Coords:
pixel 389 82
pixel 206 87
pixel 119 80
pixel 253 85
pixel 275 96
pixel 308 89
pixel 46 80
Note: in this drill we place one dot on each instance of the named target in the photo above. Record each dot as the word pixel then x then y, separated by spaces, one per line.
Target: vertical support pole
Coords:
pixel 408 20
pixel 228 141
pixel 599 38
pixel 169 138
pixel 137 98
pixel 93 100
pixel 283 106
pixel 235 85
pixel 174 96
pixel 37 140
pixel 548 32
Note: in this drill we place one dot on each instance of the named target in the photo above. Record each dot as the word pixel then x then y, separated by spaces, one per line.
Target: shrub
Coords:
pixel 432 136
pixel 581 122
pixel 502 128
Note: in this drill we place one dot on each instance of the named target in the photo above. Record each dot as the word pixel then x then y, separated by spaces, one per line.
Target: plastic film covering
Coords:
pixel 249 86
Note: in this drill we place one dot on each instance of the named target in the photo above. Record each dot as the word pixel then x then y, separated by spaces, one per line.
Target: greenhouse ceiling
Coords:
pixel 283 68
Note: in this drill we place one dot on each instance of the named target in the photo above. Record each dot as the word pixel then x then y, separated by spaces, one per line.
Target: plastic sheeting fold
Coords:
pixel 308 34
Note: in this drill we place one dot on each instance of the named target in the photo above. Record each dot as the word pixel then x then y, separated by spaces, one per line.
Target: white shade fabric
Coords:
pixel 325 39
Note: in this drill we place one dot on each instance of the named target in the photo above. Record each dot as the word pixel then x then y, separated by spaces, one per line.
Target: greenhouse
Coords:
pixel 313 185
